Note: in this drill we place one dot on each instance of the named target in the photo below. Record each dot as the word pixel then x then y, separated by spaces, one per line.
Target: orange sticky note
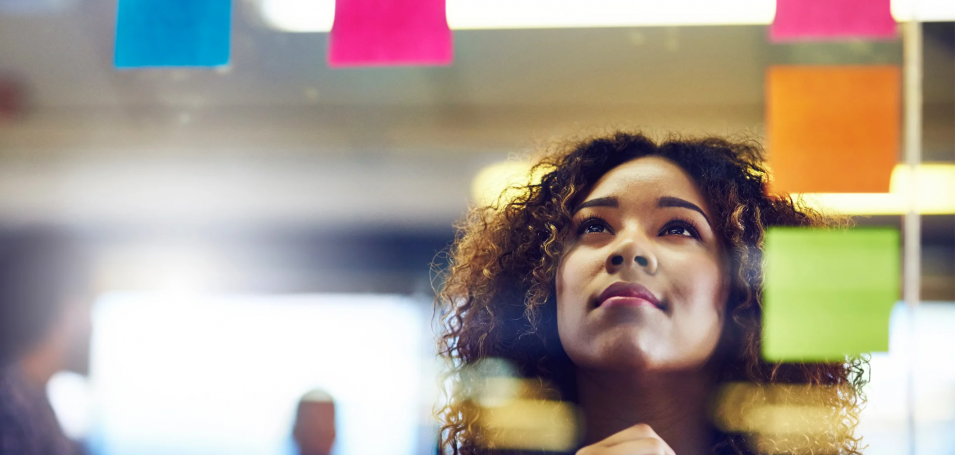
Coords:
pixel 833 129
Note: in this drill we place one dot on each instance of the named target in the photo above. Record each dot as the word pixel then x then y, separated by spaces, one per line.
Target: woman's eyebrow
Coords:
pixel 670 201
pixel 608 201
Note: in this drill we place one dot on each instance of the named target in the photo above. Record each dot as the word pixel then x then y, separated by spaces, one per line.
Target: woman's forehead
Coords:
pixel 650 176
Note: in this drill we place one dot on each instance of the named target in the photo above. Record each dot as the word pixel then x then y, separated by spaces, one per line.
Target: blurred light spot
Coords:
pixel 934 194
pixel 72 401
pixel 491 14
pixel 923 10
pixel 499 391
pixel 918 367
pixel 637 38
pixel 298 15
pixel 775 408
pixel 934 186
pixel 796 444
pixel 828 293
pixel 223 374
pixel 782 418
pixel 168 269
pixel 491 367
pixel 317 396
pixel 672 41
pixel 318 15
pixel 183 275
pixel 517 413
pixel 500 183
pixel 531 425
pixel 491 382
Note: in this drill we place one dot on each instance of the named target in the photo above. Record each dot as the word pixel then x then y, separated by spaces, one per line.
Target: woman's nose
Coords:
pixel 632 253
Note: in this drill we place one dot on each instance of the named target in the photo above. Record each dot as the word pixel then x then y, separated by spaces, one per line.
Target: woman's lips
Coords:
pixel 623 293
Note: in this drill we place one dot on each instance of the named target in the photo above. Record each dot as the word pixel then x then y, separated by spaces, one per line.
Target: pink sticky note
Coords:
pixel 390 32
pixel 798 20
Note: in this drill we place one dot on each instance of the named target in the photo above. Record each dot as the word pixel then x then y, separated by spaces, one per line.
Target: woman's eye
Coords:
pixel 679 230
pixel 593 226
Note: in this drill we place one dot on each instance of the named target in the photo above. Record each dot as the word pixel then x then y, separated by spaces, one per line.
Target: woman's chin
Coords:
pixel 634 354
pixel 621 353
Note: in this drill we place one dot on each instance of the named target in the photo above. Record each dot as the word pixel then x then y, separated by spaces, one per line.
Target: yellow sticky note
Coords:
pixel 828 293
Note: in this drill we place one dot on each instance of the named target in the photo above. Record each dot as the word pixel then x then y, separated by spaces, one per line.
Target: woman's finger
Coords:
pixel 639 431
pixel 646 446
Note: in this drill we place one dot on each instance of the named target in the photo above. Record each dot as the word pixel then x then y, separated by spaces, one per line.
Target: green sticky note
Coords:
pixel 828 293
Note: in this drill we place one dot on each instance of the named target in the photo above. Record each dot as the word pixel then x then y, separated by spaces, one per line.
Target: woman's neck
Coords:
pixel 675 405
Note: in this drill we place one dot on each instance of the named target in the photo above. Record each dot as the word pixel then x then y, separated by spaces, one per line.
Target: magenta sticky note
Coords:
pixel 800 20
pixel 390 32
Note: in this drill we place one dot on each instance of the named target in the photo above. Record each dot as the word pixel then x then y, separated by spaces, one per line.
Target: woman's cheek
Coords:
pixel 573 276
pixel 700 277
pixel 695 283
pixel 702 292
pixel 577 269
pixel 563 286
pixel 563 283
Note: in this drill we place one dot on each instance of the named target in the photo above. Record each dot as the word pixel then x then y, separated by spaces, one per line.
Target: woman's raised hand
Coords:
pixel 639 439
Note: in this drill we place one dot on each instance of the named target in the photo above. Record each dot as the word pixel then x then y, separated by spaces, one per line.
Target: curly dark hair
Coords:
pixel 497 295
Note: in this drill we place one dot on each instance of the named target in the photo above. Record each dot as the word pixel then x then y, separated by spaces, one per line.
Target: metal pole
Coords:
pixel 912 222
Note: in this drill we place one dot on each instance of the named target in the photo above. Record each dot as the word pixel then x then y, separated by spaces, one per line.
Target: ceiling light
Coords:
pixel 318 15
pixel 923 10
pixel 298 15
pixel 491 14
pixel 491 182
pixel 934 187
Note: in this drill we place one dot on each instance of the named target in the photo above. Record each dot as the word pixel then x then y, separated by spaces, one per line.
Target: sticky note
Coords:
pixel 389 32
pixel 828 293
pixel 826 19
pixel 833 129
pixel 183 33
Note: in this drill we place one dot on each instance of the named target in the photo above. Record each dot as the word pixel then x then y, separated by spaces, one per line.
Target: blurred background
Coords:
pixel 265 229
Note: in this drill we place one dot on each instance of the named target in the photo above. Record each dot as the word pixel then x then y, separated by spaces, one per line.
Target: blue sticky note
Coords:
pixel 158 33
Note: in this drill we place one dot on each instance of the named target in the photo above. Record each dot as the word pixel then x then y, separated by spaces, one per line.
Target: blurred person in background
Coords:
pixel 45 296
pixel 628 281
pixel 314 428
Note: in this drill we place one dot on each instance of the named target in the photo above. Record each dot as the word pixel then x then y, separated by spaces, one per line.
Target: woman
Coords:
pixel 628 279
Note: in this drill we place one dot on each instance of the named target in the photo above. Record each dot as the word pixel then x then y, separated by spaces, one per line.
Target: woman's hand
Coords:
pixel 637 440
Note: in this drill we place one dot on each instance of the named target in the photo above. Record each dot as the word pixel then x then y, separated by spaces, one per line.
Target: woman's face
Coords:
pixel 642 285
